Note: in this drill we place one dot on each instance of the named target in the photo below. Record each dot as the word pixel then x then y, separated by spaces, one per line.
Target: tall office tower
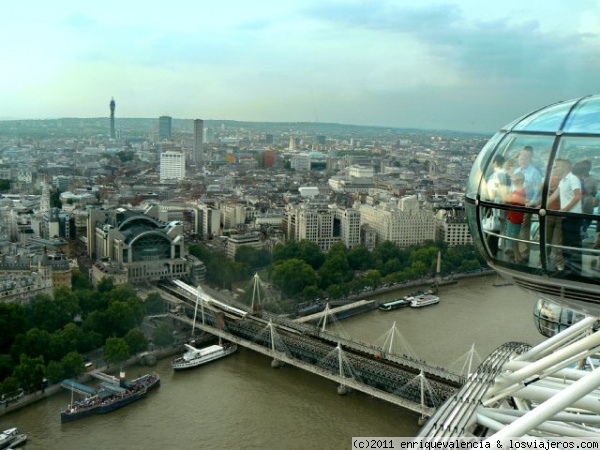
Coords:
pixel 172 166
pixel 45 199
pixel 164 128
pixel 198 155
pixel 292 145
pixel 112 118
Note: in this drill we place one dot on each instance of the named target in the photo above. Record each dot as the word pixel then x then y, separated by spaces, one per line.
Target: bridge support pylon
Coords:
pixel 277 363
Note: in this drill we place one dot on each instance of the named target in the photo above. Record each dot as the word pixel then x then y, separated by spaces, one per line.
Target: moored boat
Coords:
pixel 11 438
pixel 410 297
pixel 395 304
pixel 110 397
pixel 424 300
pixel 195 357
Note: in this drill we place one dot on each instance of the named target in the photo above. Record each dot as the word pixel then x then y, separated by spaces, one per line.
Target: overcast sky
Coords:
pixel 459 65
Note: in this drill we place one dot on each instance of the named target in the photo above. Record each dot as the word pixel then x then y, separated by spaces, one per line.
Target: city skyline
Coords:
pixel 464 66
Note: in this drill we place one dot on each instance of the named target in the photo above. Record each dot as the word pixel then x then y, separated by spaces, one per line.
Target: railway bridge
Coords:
pixel 404 381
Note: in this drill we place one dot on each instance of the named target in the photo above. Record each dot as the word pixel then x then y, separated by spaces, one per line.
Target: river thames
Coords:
pixel 240 402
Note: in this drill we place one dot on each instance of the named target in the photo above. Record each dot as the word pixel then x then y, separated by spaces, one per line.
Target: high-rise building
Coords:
pixel 198 155
pixel 165 124
pixel 112 118
pixel 172 166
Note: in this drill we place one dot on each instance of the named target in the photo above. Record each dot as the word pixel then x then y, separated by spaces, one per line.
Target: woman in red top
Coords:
pixel 515 218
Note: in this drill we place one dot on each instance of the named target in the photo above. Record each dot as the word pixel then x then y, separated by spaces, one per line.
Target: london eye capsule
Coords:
pixel 550 318
pixel 532 203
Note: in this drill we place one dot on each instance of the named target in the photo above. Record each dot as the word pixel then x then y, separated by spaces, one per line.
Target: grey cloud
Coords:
pixel 384 16
pixel 497 48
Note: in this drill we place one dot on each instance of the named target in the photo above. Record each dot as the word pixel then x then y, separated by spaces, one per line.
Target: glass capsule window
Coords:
pixel 551 318
pixel 533 191
pixel 584 118
pixel 547 119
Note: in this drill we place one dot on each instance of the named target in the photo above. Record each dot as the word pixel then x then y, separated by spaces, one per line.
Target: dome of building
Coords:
pixel 532 203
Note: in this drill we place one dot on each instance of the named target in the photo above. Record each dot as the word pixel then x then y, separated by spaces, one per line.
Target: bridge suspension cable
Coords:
pixel 467 363
pixel 393 343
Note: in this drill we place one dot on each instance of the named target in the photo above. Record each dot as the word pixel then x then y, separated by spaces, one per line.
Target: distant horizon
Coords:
pixel 2 119
pixel 435 64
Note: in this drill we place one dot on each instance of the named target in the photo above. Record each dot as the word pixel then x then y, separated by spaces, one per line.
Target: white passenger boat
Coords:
pixel 11 438
pixel 424 300
pixel 195 357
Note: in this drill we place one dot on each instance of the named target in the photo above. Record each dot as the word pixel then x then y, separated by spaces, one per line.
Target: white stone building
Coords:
pixel 402 222
pixel 172 166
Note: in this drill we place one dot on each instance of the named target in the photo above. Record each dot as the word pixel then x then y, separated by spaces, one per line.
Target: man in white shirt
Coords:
pixel 569 191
